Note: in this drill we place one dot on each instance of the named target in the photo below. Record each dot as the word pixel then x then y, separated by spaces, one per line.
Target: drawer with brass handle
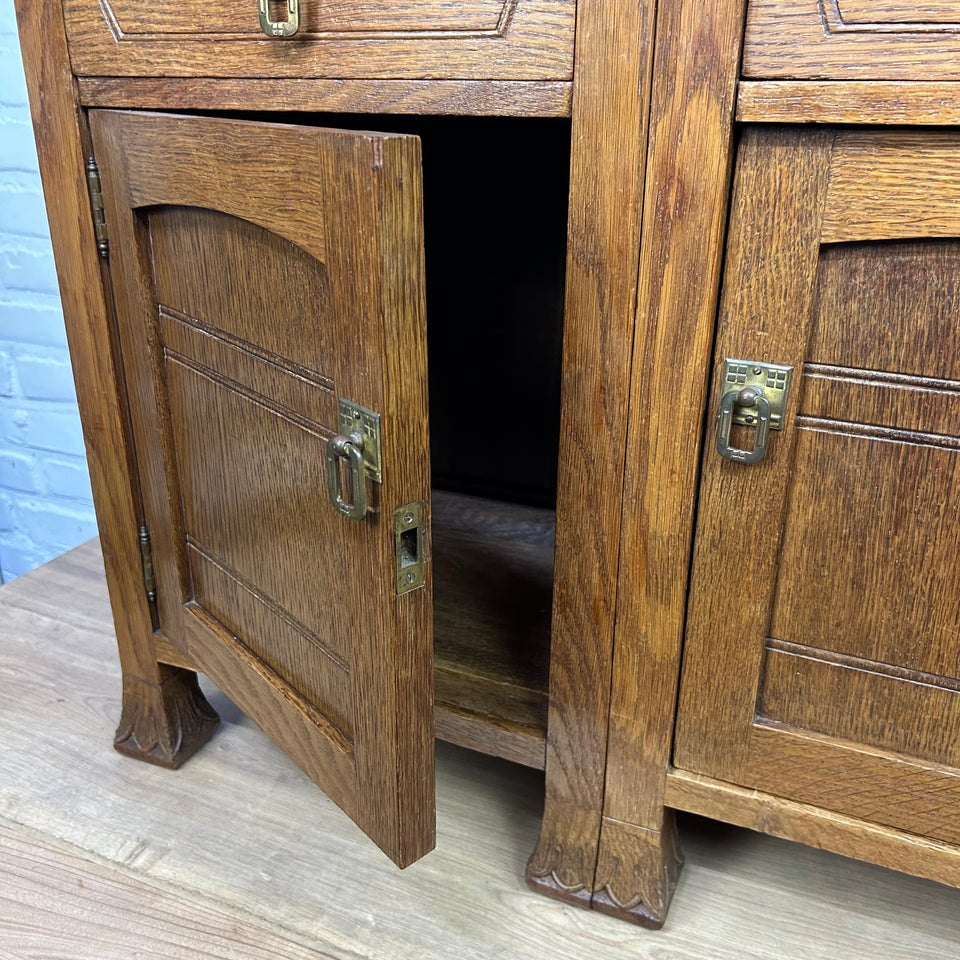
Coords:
pixel 336 39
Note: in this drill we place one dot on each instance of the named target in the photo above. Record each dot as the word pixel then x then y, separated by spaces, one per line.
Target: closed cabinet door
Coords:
pixel 268 282
pixel 822 659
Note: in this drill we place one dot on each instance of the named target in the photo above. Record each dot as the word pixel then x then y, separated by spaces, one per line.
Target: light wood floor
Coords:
pixel 237 856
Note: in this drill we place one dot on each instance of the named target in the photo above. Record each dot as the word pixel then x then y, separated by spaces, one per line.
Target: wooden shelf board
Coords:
pixel 493 590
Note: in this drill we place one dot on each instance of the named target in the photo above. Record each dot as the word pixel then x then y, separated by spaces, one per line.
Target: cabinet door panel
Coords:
pixel 822 660
pixel 243 314
pixel 868 548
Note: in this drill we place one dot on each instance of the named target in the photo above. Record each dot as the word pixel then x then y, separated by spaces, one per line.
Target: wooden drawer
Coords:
pixel 406 39
pixel 853 39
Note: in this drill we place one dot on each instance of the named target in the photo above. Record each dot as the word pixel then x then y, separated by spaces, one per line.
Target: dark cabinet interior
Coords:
pixel 495 244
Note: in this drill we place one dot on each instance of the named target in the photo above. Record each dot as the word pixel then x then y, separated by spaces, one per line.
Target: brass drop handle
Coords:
pixel 350 449
pixel 279 28
pixel 747 397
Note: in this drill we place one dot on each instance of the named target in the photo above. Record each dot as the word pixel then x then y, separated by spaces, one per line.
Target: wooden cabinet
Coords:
pixel 772 643
pixel 262 268
pixel 798 676
pixel 823 641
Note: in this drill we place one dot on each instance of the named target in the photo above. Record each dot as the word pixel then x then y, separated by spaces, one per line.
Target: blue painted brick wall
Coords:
pixel 45 504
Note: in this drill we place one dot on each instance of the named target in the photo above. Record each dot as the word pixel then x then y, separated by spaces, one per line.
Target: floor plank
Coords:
pixel 54 903
pixel 240 834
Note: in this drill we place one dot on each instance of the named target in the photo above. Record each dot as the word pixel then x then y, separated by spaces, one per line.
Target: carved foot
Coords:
pixel 164 723
pixel 637 871
pixel 563 862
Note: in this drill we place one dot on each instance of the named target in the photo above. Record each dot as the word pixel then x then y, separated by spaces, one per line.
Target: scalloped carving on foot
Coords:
pixel 637 871
pixel 164 723
pixel 563 862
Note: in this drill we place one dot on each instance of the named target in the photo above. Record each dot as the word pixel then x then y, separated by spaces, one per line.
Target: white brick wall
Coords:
pixel 45 504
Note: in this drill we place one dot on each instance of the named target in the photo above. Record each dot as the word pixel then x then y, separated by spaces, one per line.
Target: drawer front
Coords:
pixel 402 39
pixel 853 39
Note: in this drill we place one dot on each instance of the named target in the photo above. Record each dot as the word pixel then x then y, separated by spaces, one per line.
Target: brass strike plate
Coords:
pixel 355 418
pixel 771 378
pixel 409 547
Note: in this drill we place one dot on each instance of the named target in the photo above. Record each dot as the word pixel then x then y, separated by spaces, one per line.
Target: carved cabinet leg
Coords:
pixel 165 717
pixel 166 721
pixel 637 871
pixel 631 876
pixel 563 862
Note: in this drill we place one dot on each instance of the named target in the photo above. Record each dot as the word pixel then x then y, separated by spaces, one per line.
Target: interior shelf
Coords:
pixel 493 588
pixel 493 584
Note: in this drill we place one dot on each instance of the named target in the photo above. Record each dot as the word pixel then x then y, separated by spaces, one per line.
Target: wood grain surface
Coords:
pixel 493 579
pixel 827 672
pixel 713 720
pixel 857 779
pixel 848 101
pixel 168 721
pixel 914 13
pixel 689 159
pixel 824 829
pixel 912 344
pixel 493 584
pixel 234 17
pixel 237 855
pixel 610 108
pixel 515 98
pixel 234 482
pixel 831 39
pixel 896 185
pixel 390 39
pixel 90 326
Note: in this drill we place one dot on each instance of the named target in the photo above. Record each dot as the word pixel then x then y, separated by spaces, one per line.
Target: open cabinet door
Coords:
pixel 269 291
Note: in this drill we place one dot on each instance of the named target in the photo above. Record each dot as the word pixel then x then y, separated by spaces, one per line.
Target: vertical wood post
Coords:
pixel 165 716
pixel 610 108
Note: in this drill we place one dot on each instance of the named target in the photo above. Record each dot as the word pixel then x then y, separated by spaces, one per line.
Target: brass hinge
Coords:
pixel 146 560
pixel 96 208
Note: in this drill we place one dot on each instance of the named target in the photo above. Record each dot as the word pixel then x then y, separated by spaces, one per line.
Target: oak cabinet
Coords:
pixel 392 382
pixel 824 669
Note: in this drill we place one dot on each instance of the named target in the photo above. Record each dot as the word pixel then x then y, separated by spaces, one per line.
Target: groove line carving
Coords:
pixel 203 620
pixel 245 346
pixel 190 32
pixel 869 431
pixel 277 409
pixel 866 666
pixel 564 861
pixel 637 871
pixel 834 22
pixel 115 30
pixel 272 605
pixel 823 371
